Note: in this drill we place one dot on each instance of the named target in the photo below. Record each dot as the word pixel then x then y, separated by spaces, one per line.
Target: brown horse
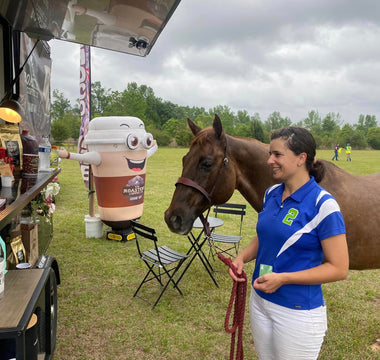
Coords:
pixel 217 164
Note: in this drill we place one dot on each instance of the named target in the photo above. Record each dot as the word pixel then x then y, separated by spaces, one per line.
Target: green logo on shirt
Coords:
pixel 290 216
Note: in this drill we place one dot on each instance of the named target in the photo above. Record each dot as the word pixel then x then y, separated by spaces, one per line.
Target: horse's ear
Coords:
pixel 218 126
pixel 195 129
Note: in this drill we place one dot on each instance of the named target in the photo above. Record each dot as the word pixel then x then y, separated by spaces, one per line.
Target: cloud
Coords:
pixel 260 56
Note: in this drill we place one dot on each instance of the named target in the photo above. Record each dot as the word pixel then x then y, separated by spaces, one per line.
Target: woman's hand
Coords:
pixel 248 254
pixel 239 265
pixel 268 283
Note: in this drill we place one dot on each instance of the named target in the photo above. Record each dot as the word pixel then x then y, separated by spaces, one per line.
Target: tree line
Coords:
pixel 167 121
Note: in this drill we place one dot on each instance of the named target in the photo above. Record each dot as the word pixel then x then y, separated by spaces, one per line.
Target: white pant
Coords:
pixel 281 333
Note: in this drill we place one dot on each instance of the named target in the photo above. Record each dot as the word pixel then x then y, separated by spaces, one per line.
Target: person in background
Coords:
pixel 300 244
pixel 348 152
pixel 336 150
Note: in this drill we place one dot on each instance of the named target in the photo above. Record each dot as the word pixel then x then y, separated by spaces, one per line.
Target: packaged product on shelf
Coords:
pixel 30 167
pixel 11 140
pixel 18 250
pixel 29 233
pixel 3 153
pixel 5 168
pixel 30 154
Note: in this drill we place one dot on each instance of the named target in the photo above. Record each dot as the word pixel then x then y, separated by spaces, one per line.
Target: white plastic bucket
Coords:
pixel 94 226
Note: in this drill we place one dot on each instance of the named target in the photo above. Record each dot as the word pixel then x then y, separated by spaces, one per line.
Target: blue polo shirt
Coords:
pixel 290 235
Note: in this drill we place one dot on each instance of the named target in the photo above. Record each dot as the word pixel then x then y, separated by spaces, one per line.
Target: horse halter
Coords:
pixel 203 191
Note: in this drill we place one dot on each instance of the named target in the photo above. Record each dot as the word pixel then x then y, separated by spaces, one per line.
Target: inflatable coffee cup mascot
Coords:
pixel 118 149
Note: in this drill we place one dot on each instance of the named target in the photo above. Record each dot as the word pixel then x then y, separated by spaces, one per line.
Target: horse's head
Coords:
pixel 207 178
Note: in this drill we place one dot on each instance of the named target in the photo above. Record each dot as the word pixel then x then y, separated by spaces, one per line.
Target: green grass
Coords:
pixel 99 319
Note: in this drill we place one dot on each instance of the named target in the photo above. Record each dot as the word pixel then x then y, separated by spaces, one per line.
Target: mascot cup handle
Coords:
pixel 153 149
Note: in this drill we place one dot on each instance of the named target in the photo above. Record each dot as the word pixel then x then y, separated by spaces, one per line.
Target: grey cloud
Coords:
pixel 262 56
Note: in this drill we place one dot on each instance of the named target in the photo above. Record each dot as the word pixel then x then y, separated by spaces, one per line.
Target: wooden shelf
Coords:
pixel 22 192
pixel 19 288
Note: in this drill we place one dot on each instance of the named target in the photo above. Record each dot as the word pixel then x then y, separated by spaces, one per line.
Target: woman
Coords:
pixel 300 244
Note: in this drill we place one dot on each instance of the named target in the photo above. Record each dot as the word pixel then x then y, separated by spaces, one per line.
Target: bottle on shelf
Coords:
pixel 44 151
pixel 54 158
pixel 29 143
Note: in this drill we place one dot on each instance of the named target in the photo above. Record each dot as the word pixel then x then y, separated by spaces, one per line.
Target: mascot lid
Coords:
pixel 115 130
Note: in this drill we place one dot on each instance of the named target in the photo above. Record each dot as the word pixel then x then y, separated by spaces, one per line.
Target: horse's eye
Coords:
pixel 206 164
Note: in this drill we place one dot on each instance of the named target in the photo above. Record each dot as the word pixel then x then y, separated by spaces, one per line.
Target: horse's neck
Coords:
pixel 253 175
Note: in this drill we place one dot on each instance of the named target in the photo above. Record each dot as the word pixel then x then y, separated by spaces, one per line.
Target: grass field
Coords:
pixel 99 319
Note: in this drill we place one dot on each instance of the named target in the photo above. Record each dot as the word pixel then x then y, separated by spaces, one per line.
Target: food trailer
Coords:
pixel 28 309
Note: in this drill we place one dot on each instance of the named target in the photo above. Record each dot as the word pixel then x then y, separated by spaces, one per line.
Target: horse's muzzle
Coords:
pixel 176 222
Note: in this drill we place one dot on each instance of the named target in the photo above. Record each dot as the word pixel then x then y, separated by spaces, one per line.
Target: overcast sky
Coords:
pixel 291 56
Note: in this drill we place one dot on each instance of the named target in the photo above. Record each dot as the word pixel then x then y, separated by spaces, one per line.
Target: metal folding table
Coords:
pixel 197 242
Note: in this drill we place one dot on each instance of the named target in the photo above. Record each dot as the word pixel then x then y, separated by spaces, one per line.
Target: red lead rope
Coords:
pixel 238 294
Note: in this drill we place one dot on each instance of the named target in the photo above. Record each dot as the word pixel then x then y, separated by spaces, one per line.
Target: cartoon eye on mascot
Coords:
pixel 118 150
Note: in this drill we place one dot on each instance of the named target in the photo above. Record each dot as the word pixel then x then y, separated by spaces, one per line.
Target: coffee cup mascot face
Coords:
pixel 118 152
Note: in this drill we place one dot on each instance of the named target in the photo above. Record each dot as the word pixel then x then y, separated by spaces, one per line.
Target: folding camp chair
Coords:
pixel 162 262
pixel 224 243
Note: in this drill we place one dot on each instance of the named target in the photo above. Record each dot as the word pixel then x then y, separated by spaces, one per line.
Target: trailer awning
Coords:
pixel 129 26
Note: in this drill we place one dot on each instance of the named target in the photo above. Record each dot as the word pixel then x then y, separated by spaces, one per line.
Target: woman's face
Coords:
pixel 284 163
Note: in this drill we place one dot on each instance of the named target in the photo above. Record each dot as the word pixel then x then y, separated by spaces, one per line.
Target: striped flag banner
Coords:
pixel 85 106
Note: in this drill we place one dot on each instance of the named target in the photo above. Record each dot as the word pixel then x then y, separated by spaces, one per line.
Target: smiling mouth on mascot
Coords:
pixel 136 165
